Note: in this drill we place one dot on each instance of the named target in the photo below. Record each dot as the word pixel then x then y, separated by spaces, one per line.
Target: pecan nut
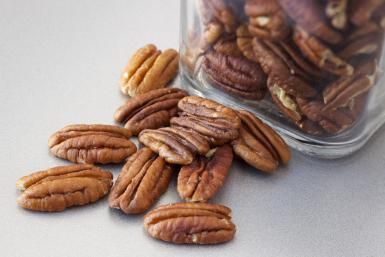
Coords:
pixel 218 11
pixel 175 145
pixel 336 10
pixel 320 55
pixel 215 121
pixel 149 69
pixel 235 75
pixel 150 110
pixel 143 179
pixel 267 19
pixel 61 187
pixel 259 145
pixel 308 15
pixel 365 45
pixel 190 223
pixel 227 45
pixel 200 180
pixel 362 11
pixel 92 144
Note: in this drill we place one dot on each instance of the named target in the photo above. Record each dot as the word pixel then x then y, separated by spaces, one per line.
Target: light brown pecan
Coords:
pixel 143 179
pixel 336 10
pixel 175 145
pixel 92 143
pixel 149 69
pixel 342 91
pixel 200 180
pixel 58 188
pixel 244 42
pixel 308 15
pixel 267 19
pixel 362 11
pixel 150 110
pixel 215 121
pixel 190 223
pixel 235 75
pixel 320 55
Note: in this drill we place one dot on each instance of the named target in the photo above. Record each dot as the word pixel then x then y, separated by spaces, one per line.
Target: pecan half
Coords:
pixel 336 10
pixel 362 11
pixel 320 54
pixel 92 144
pixel 218 11
pixel 235 75
pixel 227 45
pixel 267 19
pixel 175 145
pixel 365 45
pixel 244 42
pixel 150 110
pixel 190 223
pixel 308 15
pixel 143 179
pixel 149 69
pixel 215 121
pixel 200 180
pixel 58 188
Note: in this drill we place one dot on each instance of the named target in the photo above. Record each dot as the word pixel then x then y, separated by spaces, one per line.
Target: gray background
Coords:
pixel 60 63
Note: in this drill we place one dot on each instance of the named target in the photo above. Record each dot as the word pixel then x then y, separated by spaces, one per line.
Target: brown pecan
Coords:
pixel 200 180
pixel 365 45
pixel 149 69
pixel 235 75
pixel 244 42
pixel 143 179
pixel 58 188
pixel 218 11
pixel 267 19
pixel 209 118
pixel 92 144
pixel 362 11
pixel 336 10
pixel 320 54
pixel 308 15
pixel 190 223
pixel 227 45
pixel 343 90
pixel 175 145
pixel 150 110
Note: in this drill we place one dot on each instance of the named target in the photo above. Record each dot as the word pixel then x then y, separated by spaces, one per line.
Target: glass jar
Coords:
pixel 311 69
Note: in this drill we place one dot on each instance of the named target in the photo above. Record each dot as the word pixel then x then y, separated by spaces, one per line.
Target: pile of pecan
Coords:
pixel 317 59
pixel 193 137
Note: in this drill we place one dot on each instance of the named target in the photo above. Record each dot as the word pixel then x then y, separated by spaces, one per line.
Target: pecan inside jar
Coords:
pixel 200 180
pixel 190 223
pixel 61 187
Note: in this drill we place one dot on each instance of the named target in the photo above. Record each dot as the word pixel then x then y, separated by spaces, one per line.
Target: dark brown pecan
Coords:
pixel 200 180
pixel 362 11
pixel 175 145
pixel 368 44
pixel 267 19
pixel 218 11
pixel 319 54
pixel 61 187
pixel 235 75
pixel 143 179
pixel 342 91
pixel 190 223
pixel 209 118
pixel 92 144
pixel 336 10
pixel 151 110
pixel 308 15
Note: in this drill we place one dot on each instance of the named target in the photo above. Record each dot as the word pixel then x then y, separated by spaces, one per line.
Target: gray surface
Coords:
pixel 60 62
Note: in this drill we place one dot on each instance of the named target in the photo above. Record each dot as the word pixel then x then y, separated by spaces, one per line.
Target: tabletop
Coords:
pixel 60 63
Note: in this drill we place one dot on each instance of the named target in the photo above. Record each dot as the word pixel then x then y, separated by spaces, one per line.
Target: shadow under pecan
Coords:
pixel 61 187
pixel 92 144
pixel 210 119
pixel 267 19
pixel 320 55
pixel 259 145
pixel 149 69
pixel 235 75
pixel 200 180
pixel 175 145
pixel 142 180
pixel 309 15
pixel 151 110
pixel 337 12
pixel 362 11
pixel 190 223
